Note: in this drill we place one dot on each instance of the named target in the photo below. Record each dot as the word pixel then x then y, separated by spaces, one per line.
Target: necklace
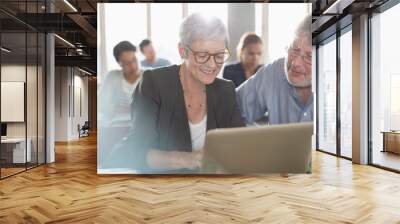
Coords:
pixel 188 94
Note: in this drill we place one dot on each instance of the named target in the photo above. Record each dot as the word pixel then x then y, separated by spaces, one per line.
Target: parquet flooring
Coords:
pixel 70 191
pixel 10 171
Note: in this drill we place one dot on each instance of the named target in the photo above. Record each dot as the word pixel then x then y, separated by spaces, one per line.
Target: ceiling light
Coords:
pixel 5 50
pixel 84 71
pixel 70 5
pixel 338 6
pixel 64 40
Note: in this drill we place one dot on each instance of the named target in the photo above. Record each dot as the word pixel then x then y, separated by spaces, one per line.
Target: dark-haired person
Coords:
pixel 116 91
pixel 114 101
pixel 151 60
pixel 249 51
pixel 175 106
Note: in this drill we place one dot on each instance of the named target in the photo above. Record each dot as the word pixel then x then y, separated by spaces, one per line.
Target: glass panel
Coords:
pixel 13 87
pixel 385 89
pixel 31 98
pixel 41 99
pixel 346 94
pixel 23 90
pixel 165 22
pixel 327 97
pixel 31 89
pixel 314 87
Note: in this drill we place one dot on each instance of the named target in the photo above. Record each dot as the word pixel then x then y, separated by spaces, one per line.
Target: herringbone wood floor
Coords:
pixel 70 191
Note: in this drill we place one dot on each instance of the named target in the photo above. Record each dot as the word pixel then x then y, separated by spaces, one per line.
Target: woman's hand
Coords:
pixel 188 160
pixel 174 160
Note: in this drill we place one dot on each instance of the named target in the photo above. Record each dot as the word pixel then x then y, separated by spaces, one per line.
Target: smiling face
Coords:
pixel 299 62
pixel 204 72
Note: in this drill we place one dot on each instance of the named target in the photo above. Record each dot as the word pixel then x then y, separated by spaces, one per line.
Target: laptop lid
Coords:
pixel 259 150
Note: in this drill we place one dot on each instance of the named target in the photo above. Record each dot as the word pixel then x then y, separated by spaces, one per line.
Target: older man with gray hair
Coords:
pixel 282 88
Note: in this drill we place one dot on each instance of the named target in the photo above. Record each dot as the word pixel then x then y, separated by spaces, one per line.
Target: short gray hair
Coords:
pixel 304 29
pixel 200 27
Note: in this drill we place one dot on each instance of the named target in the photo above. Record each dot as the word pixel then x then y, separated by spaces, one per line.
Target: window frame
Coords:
pixel 333 37
pixel 27 29
pixel 379 10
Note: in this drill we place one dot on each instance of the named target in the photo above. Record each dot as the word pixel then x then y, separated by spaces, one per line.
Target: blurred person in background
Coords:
pixel 115 99
pixel 151 60
pixel 117 89
pixel 249 52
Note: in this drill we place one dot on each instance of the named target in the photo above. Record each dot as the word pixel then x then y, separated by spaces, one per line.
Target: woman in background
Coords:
pixel 249 51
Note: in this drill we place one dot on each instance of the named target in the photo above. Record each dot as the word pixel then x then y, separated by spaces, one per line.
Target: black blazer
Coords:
pixel 160 119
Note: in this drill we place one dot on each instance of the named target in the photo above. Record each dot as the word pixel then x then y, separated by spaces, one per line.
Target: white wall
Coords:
pixel 33 126
pixel 16 73
pixel 79 117
pixel 12 73
pixel 69 82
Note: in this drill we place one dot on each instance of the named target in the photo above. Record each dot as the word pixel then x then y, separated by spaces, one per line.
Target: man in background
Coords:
pixel 151 60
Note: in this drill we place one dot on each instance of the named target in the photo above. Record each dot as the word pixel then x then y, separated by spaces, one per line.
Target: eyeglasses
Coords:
pixel 203 57
pixel 296 52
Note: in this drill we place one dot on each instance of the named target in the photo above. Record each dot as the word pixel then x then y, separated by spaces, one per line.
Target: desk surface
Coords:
pixel 391 132
pixel 13 140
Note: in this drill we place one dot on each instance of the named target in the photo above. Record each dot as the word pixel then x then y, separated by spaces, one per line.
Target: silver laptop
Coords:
pixel 259 150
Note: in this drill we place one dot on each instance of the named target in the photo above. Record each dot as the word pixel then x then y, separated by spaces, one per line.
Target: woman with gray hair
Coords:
pixel 175 106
